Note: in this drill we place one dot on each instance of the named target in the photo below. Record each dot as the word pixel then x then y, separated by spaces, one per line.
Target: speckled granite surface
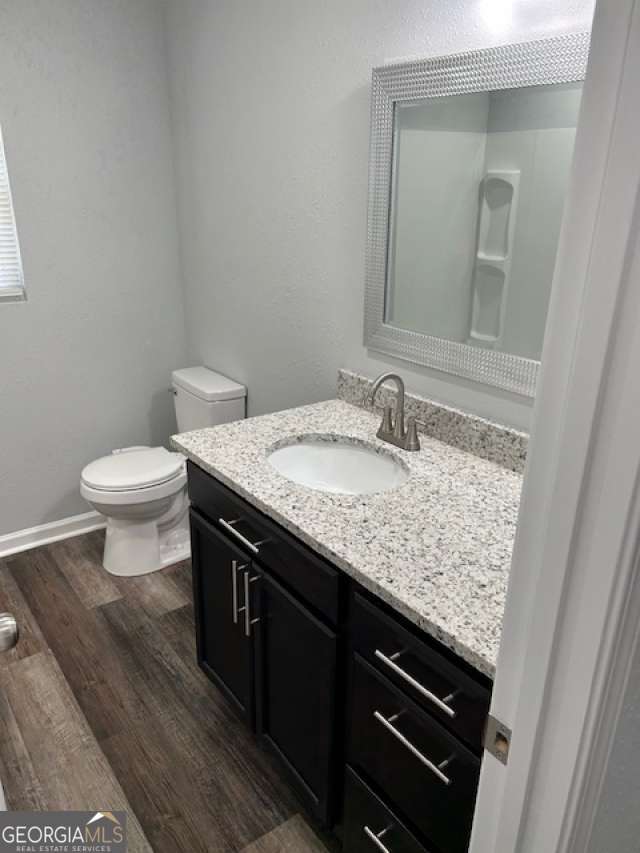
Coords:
pixel 497 443
pixel 437 549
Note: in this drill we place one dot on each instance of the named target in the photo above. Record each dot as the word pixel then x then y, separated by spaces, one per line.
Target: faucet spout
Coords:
pixel 386 377
pixel 393 432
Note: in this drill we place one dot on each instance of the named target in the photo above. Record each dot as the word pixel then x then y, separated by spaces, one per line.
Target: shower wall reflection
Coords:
pixel 478 191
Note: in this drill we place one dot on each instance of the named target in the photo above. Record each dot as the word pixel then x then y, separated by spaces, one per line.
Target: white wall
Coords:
pixel 439 150
pixel 86 361
pixel 533 133
pixel 271 116
pixel 443 149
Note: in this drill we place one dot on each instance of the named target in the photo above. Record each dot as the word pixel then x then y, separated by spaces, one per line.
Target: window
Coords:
pixel 11 278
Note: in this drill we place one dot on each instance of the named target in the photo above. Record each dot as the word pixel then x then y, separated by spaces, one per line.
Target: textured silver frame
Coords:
pixel 561 59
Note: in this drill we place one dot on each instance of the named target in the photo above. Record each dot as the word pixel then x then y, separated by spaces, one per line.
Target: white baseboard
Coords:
pixel 54 531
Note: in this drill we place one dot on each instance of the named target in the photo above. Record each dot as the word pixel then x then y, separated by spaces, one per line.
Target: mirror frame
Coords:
pixel 560 59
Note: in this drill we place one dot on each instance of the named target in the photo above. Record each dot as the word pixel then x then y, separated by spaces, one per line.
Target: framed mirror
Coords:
pixel 470 159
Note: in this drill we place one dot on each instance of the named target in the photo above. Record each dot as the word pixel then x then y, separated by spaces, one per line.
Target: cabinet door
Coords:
pixel 295 692
pixel 224 651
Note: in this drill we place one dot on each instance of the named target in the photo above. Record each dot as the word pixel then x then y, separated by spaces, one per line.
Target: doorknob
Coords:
pixel 8 632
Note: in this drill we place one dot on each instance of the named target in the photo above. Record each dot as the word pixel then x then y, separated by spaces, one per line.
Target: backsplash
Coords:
pixel 500 444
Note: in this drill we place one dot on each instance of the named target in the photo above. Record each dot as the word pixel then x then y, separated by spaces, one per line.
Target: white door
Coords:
pixel 573 608
pixel 8 639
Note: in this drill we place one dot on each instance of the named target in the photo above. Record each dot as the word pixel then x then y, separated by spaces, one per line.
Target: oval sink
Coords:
pixel 338 466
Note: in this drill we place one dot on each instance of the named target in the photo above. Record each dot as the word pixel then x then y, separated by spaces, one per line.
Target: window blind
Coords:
pixel 11 278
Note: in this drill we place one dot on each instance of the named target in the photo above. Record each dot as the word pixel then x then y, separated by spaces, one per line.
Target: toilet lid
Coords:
pixel 133 469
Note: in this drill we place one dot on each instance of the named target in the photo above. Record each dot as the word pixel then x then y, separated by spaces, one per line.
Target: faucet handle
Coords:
pixel 386 426
pixel 387 423
pixel 412 442
pixel 398 429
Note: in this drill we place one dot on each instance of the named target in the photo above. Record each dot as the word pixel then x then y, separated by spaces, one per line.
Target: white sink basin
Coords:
pixel 338 465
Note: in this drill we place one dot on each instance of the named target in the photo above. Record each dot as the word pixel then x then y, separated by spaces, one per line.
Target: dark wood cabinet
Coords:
pixel 377 726
pixel 307 575
pixel 442 687
pixel 272 656
pixel 224 652
pixel 429 776
pixel 369 824
pixel 296 658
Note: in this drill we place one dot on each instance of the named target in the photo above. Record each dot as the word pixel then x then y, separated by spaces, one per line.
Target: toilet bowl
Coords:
pixel 142 492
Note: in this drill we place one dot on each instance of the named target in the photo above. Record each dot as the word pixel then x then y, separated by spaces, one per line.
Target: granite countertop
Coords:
pixel 437 549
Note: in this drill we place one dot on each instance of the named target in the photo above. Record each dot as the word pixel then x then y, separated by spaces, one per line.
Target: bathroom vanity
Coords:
pixel 357 634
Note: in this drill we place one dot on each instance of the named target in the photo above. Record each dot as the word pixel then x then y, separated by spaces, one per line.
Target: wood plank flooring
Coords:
pixel 102 706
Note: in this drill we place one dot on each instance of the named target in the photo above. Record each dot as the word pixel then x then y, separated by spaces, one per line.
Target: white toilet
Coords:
pixel 142 491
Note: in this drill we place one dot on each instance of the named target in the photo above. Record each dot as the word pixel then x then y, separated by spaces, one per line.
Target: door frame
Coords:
pixel 573 604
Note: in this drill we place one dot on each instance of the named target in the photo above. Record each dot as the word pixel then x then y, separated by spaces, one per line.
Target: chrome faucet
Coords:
pixel 392 430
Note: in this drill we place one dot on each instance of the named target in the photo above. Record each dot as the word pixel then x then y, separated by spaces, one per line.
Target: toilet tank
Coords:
pixel 204 398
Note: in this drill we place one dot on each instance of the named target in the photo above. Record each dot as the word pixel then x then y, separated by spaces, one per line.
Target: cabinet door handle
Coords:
pixel 415 684
pixel 235 568
pixel 252 546
pixel 248 621
pixel 376 838
pixel 412 749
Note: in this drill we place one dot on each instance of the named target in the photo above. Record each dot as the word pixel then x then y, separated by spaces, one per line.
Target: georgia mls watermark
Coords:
pixel 63 832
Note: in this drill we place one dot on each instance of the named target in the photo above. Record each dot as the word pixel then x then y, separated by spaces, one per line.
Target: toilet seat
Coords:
pixel 136 468
pixel 131 476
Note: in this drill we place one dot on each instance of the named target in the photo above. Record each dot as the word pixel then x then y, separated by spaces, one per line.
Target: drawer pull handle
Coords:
pixel 235 568
pixel 412 749
pixel 376 838
pixel 248 621
pixel 252 546
pixel 416 684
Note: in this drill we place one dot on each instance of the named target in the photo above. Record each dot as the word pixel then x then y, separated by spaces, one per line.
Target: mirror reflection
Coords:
pixel 477 195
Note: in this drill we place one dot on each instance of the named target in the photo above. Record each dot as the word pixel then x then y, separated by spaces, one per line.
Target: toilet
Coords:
pixel 142 491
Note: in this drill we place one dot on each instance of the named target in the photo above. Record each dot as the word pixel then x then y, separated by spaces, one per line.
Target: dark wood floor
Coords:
pixel 102 706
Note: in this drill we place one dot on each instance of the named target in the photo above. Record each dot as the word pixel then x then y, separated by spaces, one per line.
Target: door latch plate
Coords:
pixel 497 739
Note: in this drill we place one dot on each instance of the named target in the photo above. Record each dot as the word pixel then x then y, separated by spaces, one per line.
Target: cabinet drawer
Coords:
pixel 369 826
pixel 427 773
pixel 265 542
pixel 425 675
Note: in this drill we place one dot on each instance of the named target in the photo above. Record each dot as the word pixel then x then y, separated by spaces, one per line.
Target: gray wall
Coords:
pixel 270 119
pixel 616 827
pixel 271 115
pixel 85 363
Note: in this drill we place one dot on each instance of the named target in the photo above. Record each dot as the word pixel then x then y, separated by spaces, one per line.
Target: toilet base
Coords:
pixel 134 548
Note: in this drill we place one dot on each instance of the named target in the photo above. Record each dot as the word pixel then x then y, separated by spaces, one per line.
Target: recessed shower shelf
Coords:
pixel 496 230
pixel 490 259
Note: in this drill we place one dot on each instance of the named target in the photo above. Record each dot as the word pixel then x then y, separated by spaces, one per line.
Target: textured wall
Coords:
pixel 85 363
pixel 270 105
pixel 270 109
